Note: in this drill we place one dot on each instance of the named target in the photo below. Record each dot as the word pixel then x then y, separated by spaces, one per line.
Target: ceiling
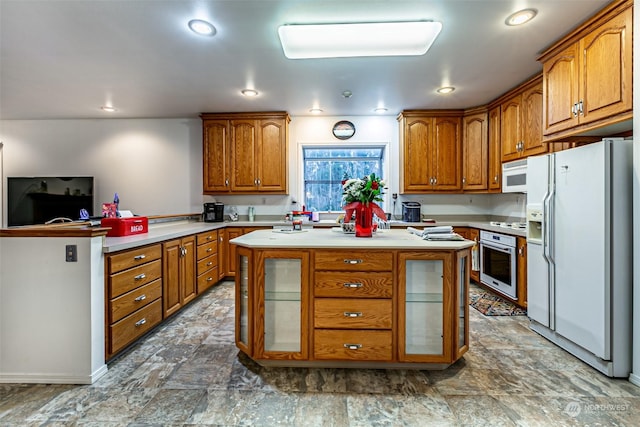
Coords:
pixel 64 59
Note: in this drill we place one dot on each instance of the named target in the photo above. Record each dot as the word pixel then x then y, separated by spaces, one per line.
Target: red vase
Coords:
pixel 364 220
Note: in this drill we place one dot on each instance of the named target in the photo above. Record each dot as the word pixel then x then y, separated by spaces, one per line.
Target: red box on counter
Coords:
pixel 126 226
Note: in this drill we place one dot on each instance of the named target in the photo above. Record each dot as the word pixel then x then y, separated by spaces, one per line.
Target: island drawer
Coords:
pixel 352 313
pixel 369 260
pixel 208 279
pixel 207 263
pixel 128 280
pixel 135 325
pixel 207 249
pixel 134 300
pixel 124 260
pixel 353 284
pixel 352 345
pixel 206 237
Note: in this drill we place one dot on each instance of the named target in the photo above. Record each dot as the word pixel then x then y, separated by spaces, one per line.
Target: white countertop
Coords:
pixel 332 239
pixel 168 230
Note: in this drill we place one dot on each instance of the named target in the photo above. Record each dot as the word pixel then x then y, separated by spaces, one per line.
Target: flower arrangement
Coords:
pixel 367 191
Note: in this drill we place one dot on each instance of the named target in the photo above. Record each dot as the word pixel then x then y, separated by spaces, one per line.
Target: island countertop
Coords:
pixel 334 238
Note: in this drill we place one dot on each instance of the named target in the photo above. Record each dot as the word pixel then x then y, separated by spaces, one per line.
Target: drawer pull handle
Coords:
pixel 209 237
pixel 353 285
pixel 209 279
pixel 352 346
pixel 139 257
pixel 140 276
pixel 141 298
pixel 352 314
pixel 209 249
pixel 209 263
pixel 353 261
pixel 141 322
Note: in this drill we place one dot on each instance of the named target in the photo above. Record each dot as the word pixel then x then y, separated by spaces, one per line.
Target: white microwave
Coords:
pixel 514 176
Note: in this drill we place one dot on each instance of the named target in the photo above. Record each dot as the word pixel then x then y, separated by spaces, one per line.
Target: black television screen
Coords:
pixel 38 200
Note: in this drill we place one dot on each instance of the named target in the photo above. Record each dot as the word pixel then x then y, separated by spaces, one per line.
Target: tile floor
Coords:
pixel 188 372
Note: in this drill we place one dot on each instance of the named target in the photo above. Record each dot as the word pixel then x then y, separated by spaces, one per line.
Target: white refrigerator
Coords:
pixel 579 252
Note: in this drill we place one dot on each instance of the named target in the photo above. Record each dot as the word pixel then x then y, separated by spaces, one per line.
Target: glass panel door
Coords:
pixel 424 328
pixel 282 300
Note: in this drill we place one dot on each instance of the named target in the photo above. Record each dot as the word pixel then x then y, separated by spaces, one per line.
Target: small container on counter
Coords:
pixel 252 212
pixel 297 225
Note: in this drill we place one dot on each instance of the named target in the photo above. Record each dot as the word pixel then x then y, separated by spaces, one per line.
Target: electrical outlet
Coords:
pixel 71 253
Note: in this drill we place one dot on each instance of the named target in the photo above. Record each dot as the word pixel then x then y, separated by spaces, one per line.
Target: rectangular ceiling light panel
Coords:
pixel 365 39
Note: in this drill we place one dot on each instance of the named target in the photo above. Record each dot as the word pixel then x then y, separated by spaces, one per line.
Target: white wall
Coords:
pixel 155 165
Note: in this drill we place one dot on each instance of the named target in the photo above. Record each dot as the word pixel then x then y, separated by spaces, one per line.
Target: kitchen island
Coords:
pixel 319 297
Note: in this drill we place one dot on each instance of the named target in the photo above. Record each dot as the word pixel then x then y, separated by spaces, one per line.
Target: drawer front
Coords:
pixel 134 257
pixel 126 304
pixel 352 345
pixel 207 263
pixel 207 249
pixel 208 279
pixel 209 236
pixel 134 325
pixel 354 260
pixel 352 313
pixel 356 285
pixel 128 280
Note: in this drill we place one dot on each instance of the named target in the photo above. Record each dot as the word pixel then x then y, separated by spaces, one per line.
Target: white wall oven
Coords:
pixel 498 262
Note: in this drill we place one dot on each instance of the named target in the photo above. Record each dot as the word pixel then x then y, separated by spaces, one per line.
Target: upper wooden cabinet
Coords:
pixel 521 122
pixel 430 157
pixel 495 151
pixel 245 152
pixel 475 152
pixel 588 77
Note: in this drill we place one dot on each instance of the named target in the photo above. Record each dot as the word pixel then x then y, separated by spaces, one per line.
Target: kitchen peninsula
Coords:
pixel 319 297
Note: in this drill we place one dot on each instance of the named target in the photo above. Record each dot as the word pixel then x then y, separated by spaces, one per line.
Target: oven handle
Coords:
pixel 497 246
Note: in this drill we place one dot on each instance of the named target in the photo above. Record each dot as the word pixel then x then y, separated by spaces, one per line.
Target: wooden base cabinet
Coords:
pixel 179 273
pixel 272 302
pixel 340 308
pixel 433 317
pixel 133 295
pixel 207 260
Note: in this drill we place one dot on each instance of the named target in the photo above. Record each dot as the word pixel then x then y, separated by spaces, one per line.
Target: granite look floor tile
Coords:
pixel 246 408
pixel 326 380
pixel 210 367
pixel 480 411
pixel 398 410
pixel 20 402
pixel 170 406
pixel 322 410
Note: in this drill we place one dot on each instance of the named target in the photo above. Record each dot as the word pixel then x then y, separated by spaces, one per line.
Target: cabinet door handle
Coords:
pixel 352 314
pixel 259 182
pixel 521 251
pixel 139 257
pixel 140 276
pixel 353 261
pixel 574 110
pixel 352 346
pixel 581 107
pixel 352 285
pixel 226 182
pixel 495 178
pixel 464 180
pixel 141 322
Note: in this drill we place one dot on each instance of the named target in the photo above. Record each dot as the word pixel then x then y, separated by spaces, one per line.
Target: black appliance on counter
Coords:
pixel 411 212
pixel 213 212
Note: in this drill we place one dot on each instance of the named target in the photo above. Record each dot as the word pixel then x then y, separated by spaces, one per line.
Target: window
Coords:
pixel 325 167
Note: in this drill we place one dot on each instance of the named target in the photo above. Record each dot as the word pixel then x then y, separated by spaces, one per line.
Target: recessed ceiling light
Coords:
pixel 202 28
pixel 358 39
pixel 250 92
pixel 315 111
pixel 347 94
pixel 380 110
pixel 446 89
pixel 521 17
pixel 108 109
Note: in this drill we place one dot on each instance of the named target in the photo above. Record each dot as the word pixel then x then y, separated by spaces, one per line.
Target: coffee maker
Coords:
pixel 213 212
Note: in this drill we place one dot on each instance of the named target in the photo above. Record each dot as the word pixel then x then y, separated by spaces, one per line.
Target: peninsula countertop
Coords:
pixel 335 238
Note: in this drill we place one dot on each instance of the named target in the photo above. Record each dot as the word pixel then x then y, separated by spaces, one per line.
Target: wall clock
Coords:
pixel 344 129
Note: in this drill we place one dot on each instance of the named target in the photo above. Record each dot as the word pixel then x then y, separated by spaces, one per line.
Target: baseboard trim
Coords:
pixel 44 378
